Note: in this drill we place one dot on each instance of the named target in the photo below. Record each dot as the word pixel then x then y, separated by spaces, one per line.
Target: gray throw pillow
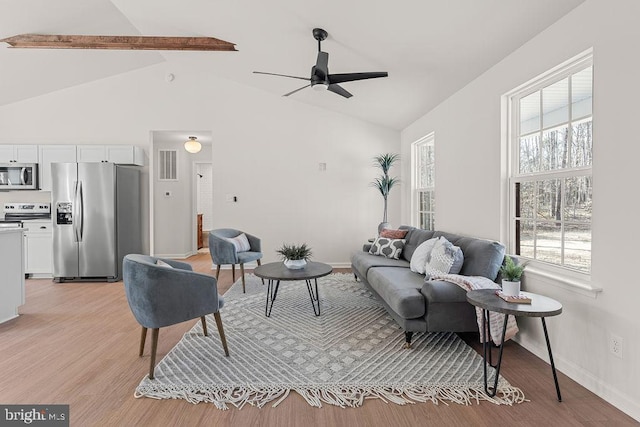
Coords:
pixel 389 248
pixel 445 258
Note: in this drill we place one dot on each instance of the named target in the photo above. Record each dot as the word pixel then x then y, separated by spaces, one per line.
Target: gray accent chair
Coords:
pixel 160 296
pixel 224 252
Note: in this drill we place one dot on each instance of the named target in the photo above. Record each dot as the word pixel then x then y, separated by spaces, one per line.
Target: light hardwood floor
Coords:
pixel 77 344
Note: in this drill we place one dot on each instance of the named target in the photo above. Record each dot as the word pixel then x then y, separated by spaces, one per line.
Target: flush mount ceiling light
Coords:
pixel 192 145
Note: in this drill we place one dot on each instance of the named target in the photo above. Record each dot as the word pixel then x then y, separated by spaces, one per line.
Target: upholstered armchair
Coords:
pixel 224 251
pixel 168 292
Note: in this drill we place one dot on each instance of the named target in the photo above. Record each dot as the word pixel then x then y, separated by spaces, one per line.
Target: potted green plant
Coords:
pixel 295 256
pixel 384 183
pixel 511 275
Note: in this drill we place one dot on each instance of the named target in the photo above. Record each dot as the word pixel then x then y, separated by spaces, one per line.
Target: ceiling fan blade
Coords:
pixel 349 77
pixel 322 68
pixel 282 75
pixel 294 91
pixel 339 90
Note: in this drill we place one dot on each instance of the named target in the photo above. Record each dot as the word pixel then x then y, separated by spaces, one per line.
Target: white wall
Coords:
pixel 266 151
pixel 469 189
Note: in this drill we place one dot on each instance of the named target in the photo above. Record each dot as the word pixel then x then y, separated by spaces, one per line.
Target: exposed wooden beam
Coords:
pixel 53 41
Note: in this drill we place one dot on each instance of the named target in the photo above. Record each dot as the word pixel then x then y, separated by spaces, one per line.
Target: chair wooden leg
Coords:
pixel 154 348
pixel 216 316
pixel 242 272
pixel 217 271
pixel 259 264
pixel 204 326
pixel 143 338
pixel 233 272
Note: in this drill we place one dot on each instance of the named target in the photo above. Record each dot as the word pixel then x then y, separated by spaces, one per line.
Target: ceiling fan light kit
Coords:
pixel 321 79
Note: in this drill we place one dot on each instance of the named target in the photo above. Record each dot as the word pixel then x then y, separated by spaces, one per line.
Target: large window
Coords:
pixel 551 158
pixel 423 183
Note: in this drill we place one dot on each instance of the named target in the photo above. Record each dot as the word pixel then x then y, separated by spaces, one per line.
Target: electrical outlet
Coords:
pixel 615 345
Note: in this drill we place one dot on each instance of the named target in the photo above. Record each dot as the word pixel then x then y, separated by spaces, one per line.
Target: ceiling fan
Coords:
pixel 321 79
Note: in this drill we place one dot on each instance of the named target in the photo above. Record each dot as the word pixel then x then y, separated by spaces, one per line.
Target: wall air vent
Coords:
pixel 168 165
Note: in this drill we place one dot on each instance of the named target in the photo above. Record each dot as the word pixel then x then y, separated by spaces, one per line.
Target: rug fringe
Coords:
pixel 342 396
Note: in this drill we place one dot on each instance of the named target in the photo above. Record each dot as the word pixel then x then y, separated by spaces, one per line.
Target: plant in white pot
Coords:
pixel 511 275
pixel 384 183
pixel 295 256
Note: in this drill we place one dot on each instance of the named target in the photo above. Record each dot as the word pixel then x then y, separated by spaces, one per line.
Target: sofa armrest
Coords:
pixel 436 291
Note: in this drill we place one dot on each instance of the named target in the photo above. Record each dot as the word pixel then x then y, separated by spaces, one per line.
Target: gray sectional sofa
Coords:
pixel 432 305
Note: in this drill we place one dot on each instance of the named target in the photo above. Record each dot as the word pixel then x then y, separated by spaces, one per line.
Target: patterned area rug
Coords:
pixel 351 352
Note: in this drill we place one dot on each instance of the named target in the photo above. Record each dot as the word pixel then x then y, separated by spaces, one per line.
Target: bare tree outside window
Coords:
pixel 552 179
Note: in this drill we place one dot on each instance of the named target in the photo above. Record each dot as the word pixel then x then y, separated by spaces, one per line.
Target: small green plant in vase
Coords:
pixel 295 256
pixel 511 275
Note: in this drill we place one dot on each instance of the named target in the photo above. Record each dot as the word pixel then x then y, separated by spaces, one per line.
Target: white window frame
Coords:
pixel 415 190
pixel 553 273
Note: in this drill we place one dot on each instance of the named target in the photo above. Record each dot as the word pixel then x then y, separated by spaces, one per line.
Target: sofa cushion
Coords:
pixel 445 258
pixel 400 289
pixel 481 257
pixel 363 261
pixel 389 248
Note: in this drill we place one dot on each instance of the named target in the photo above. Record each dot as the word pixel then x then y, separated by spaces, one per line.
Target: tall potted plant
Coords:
pixel 384 183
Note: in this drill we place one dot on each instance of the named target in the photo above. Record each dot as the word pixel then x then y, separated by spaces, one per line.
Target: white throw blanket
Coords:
pixel 496 320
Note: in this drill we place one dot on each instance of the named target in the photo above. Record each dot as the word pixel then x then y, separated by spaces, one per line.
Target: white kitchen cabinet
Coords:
pixel 12 269
pixel 119 154
pixel 18 153
pixel 38 248
pixel 53 154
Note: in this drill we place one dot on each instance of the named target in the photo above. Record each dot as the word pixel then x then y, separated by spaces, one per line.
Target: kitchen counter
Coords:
pixel 12 268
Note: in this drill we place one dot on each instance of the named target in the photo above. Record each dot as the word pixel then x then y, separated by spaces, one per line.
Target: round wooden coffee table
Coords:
pixel 540 306
pixel 275 272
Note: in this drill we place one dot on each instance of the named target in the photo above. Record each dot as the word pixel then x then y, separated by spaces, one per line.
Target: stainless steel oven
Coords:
pixel 18 176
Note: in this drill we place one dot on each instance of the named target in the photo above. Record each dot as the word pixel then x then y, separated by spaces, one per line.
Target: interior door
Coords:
pixel 97 254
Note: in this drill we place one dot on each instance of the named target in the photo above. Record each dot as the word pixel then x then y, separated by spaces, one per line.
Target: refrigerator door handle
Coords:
pixel 81 209
pixel 74 212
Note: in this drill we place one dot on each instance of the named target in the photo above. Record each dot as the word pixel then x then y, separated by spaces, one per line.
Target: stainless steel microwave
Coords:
pixel 18 176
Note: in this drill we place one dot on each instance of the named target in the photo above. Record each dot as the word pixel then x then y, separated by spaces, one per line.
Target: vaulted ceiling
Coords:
pixel 430 48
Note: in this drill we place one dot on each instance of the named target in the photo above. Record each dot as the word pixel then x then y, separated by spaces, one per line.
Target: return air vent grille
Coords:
pixel 168 167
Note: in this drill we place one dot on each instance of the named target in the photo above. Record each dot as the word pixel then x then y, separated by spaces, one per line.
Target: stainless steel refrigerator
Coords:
pixel 97 219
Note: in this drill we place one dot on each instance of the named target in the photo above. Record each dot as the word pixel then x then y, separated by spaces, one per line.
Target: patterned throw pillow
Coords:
pixel 393 234
pixel 389 248
pixel 445 259
pixel 240 242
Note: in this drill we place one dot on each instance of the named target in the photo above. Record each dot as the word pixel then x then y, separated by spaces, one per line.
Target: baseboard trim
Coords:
pixel 174 256
pixel 585 379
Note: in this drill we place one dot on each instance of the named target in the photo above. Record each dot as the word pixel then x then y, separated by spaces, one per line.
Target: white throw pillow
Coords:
pixel 161 263
pixel 445 258
pixel 421 255
pixel 240 242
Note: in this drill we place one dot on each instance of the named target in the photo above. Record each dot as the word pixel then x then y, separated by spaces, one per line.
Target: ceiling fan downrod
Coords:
pixel 320 35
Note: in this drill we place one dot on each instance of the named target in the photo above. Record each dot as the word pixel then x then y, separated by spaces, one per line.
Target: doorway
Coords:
pixel 204 203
